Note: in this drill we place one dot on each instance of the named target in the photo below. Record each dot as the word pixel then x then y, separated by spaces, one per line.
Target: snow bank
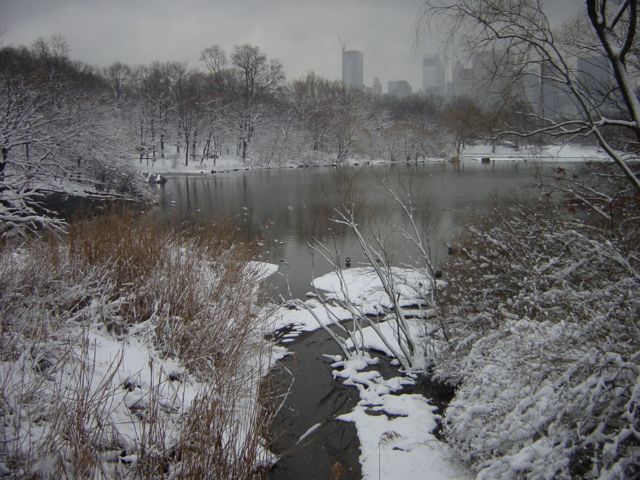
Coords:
pixel 306 319
pixel 173 164
pixel 548 153
pixel 261 270
pixel 369 338
pixel 395 430
pixel 362 286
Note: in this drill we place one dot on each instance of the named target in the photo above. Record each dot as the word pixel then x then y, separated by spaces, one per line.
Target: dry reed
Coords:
pixel 195 296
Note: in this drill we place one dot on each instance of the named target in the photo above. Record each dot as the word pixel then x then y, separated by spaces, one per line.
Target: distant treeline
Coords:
pixel 64 119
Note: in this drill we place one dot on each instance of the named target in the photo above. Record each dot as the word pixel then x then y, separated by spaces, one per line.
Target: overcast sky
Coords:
pixel 303 34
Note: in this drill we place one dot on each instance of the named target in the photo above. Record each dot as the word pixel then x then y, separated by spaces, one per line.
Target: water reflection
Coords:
pixel 288 209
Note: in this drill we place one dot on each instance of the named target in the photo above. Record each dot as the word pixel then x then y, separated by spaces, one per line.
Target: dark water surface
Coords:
pixel 314 397
pixel 292 207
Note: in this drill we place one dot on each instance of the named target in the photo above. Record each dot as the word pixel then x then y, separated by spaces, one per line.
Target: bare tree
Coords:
pixel 50 48
pixel 118 75
pixel 215 60
pixel 186 91
pixel 153 88
pixel 464 120
pixel 217 86
pixel 257 79
pixel 314 100
pixel 32 130
pixel 522 28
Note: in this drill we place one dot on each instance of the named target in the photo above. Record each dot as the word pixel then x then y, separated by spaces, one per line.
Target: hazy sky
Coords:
pixel 303 34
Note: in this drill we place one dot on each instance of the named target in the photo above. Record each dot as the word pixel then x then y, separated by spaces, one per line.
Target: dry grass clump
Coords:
pixel 129 350
pixel 149 257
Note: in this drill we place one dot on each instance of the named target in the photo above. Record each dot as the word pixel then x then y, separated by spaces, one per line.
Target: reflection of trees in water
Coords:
pixel 297 206
pixel 424 191
pixel 317 223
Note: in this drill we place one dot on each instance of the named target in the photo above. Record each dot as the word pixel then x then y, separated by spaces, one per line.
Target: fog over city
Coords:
pixel 304 35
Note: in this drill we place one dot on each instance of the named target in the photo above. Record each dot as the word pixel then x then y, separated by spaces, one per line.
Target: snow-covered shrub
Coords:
pixel 128 350
pixel 542 312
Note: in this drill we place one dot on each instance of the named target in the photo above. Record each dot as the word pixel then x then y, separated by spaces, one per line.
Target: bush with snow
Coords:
pixel 542 316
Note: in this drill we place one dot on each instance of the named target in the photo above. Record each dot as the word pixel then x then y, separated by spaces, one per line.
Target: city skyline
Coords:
pixel 100 33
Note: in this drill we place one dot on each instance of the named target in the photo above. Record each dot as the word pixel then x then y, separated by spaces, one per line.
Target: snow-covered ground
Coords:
pixel 173 164
pixel 312 316
pixel 125 383
pixel 88 393
pixel 363 287
pixel 230 163
pixel 546 153
pixel 395 429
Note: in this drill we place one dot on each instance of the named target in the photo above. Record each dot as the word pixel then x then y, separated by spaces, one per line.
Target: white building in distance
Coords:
pixel 352 68
pixel 433 76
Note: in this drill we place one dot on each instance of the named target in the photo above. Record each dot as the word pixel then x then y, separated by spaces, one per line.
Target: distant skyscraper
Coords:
pixel 487 78
pixel 463 82
pixel 433 76
pixel 556 100
pixel 352 68
pixel 529 82
pixel 398 88
pixel 595 76
pixel 377 87
pixel 595 73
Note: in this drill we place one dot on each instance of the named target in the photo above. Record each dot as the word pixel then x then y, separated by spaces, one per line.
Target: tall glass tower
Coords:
pixel 352 68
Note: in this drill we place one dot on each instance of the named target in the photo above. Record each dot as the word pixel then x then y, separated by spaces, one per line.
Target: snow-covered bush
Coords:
pixel 542 313
pixel 128 350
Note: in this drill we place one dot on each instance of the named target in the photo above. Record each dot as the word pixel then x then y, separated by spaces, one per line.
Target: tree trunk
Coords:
pixel 3 164
pixel 186 149
pixel 153 141
pixel 205 151
pixel 244 152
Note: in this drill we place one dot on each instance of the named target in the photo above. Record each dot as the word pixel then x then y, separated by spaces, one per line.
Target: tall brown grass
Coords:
pixel 194 291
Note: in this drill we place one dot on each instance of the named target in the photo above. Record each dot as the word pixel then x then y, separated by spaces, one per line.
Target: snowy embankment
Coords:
pixel 395 429
pixel 123 348
pixel 174 164
pixel 544 153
